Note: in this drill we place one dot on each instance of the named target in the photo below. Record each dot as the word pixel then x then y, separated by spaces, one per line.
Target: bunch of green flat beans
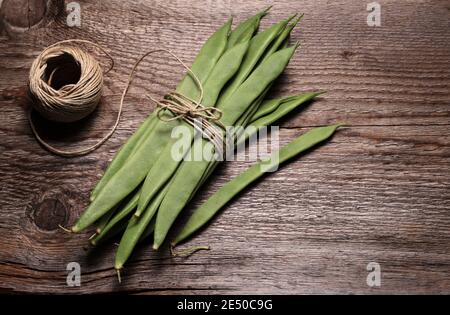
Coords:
pixel 144 189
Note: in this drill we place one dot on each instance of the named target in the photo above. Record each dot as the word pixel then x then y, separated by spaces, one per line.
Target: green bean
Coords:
pixel 103 221
pixel 281 39
pixel 131 174
pixel 266 107
pixel 136 227
pixel 121 156
pixel 269 106
pixel 169 184
pixel 207 210
pixel 245 30
pixel 247 115
pixel 128 206
pixel 258 45
pixel 277 108
pixel 190 173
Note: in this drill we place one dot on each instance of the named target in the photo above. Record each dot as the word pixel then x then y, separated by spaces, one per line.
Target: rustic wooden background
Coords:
pixel 378 192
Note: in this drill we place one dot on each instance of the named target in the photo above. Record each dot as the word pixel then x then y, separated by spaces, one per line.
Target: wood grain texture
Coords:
pixel 377 192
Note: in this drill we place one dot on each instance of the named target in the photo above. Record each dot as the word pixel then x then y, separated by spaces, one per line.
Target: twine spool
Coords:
pixel 65 85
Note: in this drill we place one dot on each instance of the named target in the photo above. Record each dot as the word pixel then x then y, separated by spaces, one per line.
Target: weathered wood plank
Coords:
pixel 377 192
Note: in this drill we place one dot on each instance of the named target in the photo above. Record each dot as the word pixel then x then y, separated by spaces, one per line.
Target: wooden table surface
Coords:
pixel 377 192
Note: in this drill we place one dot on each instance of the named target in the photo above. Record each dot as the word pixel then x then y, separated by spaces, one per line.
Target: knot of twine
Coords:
pixel 69 102
pixel 206 120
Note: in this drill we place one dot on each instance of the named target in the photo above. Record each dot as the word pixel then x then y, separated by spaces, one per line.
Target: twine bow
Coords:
pixel 206 120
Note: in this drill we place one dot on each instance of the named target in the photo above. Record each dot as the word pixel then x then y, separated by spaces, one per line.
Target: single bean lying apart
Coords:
pixel 270 111
pixel 207 210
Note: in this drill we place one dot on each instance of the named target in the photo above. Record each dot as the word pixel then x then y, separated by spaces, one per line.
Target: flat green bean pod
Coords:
pixel 268 106
pixel 258 45
pixel 135 229
pixel 144 188
pixel 245 30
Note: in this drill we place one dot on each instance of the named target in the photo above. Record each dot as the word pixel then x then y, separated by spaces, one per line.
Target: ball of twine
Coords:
pixel 70 102
pixel 65 85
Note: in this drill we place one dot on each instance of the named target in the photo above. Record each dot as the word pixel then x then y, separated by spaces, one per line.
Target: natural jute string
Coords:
pixel 74 101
